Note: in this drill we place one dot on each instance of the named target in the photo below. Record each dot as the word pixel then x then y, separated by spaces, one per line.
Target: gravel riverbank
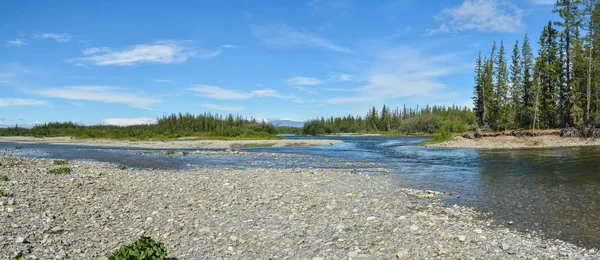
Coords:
pixel 510 142
pixel 170 144
pixel 249 213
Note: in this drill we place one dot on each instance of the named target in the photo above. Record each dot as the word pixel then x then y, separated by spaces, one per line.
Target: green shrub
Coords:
pixel 12 164
pixel 122 167
pixel 60 162
pixel 59 171
pixel 143 249
pixel 185 153
pixel 169 153
pixel 1 193
pixel 3 178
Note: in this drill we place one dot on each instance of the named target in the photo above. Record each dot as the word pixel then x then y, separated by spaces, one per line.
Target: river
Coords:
pixel 553 191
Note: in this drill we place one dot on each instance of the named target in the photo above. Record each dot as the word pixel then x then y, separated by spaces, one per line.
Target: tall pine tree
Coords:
pixel 501 90
pixel 516 87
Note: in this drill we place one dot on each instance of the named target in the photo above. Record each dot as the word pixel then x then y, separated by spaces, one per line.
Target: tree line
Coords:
pixel 557 88
pixel 431 119
pixel 205 125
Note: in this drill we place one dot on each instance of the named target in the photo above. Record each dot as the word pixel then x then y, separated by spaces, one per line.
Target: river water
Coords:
pixel 552 191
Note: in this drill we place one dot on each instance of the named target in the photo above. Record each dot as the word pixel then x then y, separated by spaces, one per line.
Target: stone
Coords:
pixel 318 258
pixel 21 240
pixel 10 210
pixel 414 228
pixel 352 254
pixel 462 238
pixel 402 254
pixel 371 218
pixel 504 246
pixel 11 202
pixel 56 230
pixel 478 231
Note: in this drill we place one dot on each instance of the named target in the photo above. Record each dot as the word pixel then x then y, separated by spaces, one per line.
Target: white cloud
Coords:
pixel 344 100
pixel 9 102
pixel 162 81
pixel 219 93
pixel 15 43
pixel 404 72
pixel 128 121
pixel 229 46
pixel 303 81
pixel 100 94
pixel 163 52
pixel 223 108
pixel 59 37
pixel 482 16
pixel 215 92
pixel 283 35
pixel 340 77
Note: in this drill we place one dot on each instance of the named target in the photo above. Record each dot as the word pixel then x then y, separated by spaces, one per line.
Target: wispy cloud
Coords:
pixel 340 77
pixel 403 72
pixel 223 108
pixel 100 94
pixel 482 16
pixel 128 121
pixel 9 102
pixel 303 81
pixel 283 35
pixel 15 43
pixel 162 81
pixel 219 93
pixel 59 37
pixel 162 52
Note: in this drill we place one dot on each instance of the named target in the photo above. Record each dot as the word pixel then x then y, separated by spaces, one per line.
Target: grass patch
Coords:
pixel 170 153
pixel 3 178
pixel 60 171
pixel 144 248
pixel 60 162
pixel 439 138
pixel 122 167
pixel 13 164
pixel 185 153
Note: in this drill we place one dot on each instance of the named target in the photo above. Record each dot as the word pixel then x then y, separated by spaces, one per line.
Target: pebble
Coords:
pixel 281 214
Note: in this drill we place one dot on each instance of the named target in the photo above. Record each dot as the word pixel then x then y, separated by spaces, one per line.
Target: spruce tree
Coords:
pixel 501 89
pixel 569 11
pixel 516 87
pixel 490 116
pixel 527 66
pixel 478 96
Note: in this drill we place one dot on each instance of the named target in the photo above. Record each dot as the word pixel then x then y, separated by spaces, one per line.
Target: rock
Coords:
pixel 233 238
pixel 11 202
pixel 402 254
pixel 21 240
pixel 352 254
pixel 318 258
pixel 462 238
pixel 10 210
pixel 414 228
pixel 56 230
pixel 371 218
pixel 504 246
pixel 478 231
pixel 442 252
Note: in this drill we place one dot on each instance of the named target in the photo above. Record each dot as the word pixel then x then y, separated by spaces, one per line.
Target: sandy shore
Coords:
pixel 510 142
pixel 252 213
pixel 211 144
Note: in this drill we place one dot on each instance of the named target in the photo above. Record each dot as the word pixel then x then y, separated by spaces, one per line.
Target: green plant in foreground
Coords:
pixel 12 164
pixel 143 249
pixel 60 162
pixel 1 193
pixel 3 178
pixel 59 171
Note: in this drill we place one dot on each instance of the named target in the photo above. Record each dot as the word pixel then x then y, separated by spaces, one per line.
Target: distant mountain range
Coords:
pixel 288 123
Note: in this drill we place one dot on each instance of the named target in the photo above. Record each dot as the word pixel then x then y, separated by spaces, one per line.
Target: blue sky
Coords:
pixel 124 62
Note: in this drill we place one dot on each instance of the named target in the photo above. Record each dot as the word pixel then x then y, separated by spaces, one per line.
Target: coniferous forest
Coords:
pixel 558 87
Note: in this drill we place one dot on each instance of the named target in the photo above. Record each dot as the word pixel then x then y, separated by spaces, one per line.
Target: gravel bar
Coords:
pixel 249 213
